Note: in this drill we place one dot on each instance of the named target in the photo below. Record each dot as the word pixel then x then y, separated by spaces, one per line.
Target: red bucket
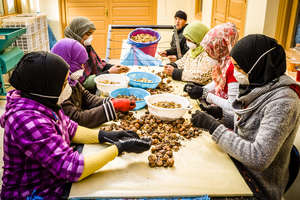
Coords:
pixel 298 73
pixel 147 47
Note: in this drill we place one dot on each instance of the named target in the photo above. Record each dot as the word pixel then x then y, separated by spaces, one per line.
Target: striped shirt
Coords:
pixel 37 152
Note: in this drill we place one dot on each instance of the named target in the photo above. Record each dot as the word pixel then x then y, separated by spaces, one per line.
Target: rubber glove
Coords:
pixel 214 111
pixel 114 136
pixel 133 145
pixel 194 91
pixel 205 121
pixel 123 105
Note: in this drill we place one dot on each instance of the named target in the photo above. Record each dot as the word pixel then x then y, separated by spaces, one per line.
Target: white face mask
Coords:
pixel 241 78
pixel 76 75
pixel 191 45
pixel 88 41
pixel 65 94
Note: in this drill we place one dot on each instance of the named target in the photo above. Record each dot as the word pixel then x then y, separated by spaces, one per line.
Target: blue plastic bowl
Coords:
pixel 138 92
pixel 139 75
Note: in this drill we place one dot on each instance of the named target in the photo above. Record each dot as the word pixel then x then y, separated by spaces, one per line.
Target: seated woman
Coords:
pixel 267 114
pixel 82 29
pixel 223 90
pixel 195 65
pixel 83 107
pixel 37 134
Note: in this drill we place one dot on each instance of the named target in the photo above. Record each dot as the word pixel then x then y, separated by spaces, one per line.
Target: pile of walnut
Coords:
pixel 166 135
pixel 143 37
pixel 130 97
pixel 162 86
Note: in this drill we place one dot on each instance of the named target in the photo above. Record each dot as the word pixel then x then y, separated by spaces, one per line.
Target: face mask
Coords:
pixel 88 41
pixel 76 75
pixel 191 45
pixel 65 94
pixel 241 78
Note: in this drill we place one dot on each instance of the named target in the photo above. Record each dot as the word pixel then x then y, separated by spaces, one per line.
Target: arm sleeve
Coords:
pixel 277 123
pixel 90 100
pixel 93 117
pixel 197 70
pixel 225 104
pixel 181 61
pixel 40 141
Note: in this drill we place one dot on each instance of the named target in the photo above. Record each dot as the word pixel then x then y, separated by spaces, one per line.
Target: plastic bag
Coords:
pixel 137 57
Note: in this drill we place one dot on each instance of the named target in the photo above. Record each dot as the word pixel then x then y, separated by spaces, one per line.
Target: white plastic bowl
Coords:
pixel 167 113
pixel 105 89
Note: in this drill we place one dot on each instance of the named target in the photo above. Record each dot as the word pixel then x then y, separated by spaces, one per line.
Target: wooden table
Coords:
pixel 201 167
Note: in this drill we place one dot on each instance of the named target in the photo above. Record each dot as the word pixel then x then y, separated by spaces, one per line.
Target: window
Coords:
pixel 1 8
pixel 9 7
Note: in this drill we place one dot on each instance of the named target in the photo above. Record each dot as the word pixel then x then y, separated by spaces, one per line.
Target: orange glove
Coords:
pixel 123 105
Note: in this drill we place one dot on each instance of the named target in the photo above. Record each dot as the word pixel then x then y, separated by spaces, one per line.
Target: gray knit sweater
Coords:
pixel 265 125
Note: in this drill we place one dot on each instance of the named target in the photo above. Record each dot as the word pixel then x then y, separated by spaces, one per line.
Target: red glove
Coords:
pixel 123 105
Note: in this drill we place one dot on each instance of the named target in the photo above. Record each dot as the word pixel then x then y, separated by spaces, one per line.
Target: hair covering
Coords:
pixel 40 76
pixel 218 43
pixel 195 32
pixel 73 53
pixel 261 57
pixel 181 14
pixel 78 27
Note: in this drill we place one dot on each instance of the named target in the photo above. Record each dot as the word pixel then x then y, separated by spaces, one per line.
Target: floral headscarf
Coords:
pixel 218 43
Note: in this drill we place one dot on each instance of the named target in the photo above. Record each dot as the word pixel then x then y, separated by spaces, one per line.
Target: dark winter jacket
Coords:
pixel 87 109
pixel 182 41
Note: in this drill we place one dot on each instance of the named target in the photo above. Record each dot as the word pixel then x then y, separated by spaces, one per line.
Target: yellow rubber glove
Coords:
pixel 85 136
pixel 94 162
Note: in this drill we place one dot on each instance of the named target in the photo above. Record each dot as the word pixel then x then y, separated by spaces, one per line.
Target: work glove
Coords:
pixel 195 91
pixel 114 136
pixel 204 121
pixel 133 145
pixel 123 105
pixel 214 111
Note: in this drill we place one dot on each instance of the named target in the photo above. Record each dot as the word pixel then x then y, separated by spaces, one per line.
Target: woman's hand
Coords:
pixel 117 69
pixel 168 69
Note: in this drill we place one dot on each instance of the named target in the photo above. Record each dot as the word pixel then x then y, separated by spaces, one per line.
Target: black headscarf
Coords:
pixel 41 73
pixel 268 68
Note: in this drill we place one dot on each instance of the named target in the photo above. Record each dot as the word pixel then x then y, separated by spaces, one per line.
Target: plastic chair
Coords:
pixel 293 167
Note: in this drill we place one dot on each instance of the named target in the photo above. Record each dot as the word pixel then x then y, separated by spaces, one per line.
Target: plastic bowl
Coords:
pixel 105 89
pixel 133 76
pixel 137 92
pixel 167 113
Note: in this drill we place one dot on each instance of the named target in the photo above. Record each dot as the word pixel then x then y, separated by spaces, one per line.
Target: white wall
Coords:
pixel 255 16
pixel 51 8
pixel 271 18
pixel 206 12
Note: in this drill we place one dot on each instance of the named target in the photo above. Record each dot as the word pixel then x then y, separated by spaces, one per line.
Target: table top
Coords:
pixel 200 168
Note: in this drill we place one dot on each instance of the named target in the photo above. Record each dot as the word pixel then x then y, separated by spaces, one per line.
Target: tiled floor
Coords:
pixel 292 194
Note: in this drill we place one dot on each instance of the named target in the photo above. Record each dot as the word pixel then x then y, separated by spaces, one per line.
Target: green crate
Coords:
pixel 8 36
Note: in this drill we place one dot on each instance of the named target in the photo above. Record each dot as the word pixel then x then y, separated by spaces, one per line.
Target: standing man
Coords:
pixel 180 23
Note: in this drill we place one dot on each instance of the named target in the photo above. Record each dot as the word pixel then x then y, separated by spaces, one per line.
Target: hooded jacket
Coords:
pixel 265 126
pixel 37 152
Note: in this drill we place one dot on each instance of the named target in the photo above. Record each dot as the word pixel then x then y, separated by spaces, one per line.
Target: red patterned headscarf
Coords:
pixel 218 43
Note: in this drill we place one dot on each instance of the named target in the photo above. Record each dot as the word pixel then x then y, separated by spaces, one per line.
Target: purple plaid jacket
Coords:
pixel 37 152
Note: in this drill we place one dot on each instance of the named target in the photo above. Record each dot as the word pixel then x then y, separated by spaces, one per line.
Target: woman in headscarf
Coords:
pixel 195 65
pixel 82 29
pixel 83 107
pixel 267 114
pixel 223 90
pixel 37 134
